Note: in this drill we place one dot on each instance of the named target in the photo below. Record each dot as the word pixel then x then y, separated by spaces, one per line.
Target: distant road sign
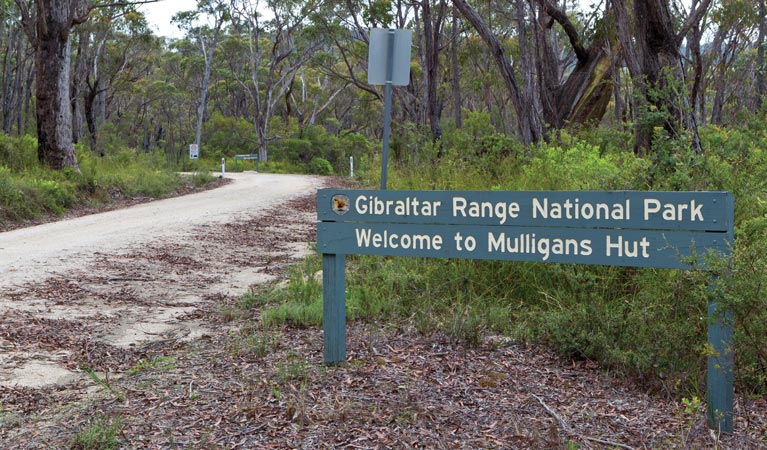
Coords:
pixel 194 151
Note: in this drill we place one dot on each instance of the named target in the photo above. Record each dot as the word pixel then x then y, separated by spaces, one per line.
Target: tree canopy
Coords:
pixel 91 72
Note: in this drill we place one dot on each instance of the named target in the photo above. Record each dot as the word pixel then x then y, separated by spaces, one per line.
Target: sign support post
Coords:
pixel 334 307
pixel 387 108
pixel 719 371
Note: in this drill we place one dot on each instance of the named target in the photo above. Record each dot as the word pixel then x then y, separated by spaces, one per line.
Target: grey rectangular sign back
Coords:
pixel 377 56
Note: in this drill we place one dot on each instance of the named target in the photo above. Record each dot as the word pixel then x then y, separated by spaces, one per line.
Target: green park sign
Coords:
pixel 620 228
pixel 617 228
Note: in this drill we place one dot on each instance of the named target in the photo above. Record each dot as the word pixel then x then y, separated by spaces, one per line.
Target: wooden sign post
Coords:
pixel 616 228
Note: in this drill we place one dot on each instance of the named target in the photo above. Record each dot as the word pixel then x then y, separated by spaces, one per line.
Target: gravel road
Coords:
pixel 35 253
pixel 94 290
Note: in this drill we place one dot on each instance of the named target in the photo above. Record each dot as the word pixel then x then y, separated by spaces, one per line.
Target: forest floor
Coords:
pixel 143 341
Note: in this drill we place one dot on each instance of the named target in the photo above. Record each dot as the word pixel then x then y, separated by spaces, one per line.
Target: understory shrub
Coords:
pixel 29 191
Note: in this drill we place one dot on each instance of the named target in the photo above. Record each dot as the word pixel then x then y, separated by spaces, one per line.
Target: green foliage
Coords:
pixel 379 13
pixel 743 294
pixel 320 166
pixel 128 173
pixel 300 303
pixel 18 154
pixel 26 197
pixel 228 136
pixel 29 191
pixel 306 149
pixel 581 166
pixel 295 150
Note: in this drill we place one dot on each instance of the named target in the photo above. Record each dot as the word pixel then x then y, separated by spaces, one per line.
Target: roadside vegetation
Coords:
pixel 647 325
pixel 31 192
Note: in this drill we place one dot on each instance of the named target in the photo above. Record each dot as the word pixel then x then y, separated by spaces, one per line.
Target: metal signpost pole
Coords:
pixel 387 109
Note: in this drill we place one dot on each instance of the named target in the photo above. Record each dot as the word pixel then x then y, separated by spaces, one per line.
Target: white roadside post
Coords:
pixel 351 166
pixel 223 167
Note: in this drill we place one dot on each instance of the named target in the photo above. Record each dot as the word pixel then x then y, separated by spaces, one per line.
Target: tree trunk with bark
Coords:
pixel 94 107
pixel 14 72
pixel 760 67
pixel 652 56
pixel 79 74
pixel 53 23
pixel 584 96
pixel 456 75
pixel 432 30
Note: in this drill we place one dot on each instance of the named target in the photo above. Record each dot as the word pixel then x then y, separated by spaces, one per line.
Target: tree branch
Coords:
pixel 82 18
pixel 572 34
pixel 692 19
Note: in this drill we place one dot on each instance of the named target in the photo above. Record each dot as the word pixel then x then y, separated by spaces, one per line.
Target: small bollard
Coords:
pixel 223 167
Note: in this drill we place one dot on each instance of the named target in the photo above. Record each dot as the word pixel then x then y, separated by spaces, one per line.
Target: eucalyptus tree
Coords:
pixel 207 35
pixel 735 22
pixel 127 66
pixel 560 87
pixel 343 24
pixel 109 56
pixel 455 67
pixel 528 118
pixel 48 25
pixel 651 40
pixel 582 96
pixel 277 49
pixel 346 24
pixel 434 17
